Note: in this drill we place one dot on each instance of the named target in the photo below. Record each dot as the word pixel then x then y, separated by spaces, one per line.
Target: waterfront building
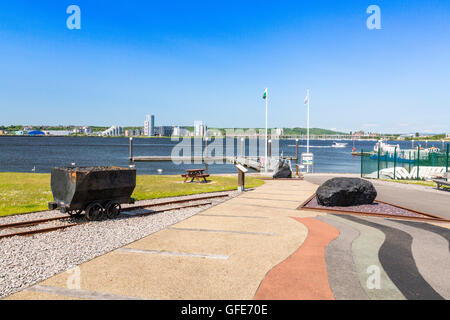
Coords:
pixel 180 132
pixel 58 133
pixel 149 126
pixel 198 128
pixel 279 131
pixel 164 131
pixel 114 131
pixel 36 133
pixel 87 130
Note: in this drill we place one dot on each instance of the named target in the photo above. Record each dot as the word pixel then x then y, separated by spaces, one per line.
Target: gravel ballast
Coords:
pixel 376 208
pixel 25 261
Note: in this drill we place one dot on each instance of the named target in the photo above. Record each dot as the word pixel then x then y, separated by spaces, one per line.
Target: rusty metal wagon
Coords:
pixel 98 191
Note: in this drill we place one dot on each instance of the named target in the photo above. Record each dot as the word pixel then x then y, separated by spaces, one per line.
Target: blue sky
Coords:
pixel 211 60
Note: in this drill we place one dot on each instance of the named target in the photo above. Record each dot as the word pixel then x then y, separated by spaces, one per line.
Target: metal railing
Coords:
pixel 413 164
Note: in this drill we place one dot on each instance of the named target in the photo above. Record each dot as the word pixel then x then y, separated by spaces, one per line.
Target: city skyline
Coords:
pixel 214 60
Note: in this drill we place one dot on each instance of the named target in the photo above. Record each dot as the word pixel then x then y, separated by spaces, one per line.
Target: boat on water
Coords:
pixel 390 152
pixel 339 144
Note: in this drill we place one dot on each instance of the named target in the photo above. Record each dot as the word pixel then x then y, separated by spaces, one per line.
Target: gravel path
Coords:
pixel 25 261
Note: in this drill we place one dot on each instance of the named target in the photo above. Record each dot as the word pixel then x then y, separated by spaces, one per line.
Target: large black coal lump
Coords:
pixel 346 192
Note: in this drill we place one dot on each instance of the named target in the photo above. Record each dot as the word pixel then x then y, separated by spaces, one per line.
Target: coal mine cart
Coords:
pixel 98 191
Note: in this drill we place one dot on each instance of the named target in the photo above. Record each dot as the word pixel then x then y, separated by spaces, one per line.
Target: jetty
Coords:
pixel 252 162
pixel 248 162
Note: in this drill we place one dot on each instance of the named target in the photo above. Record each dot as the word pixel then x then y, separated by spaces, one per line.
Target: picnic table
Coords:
pixel 196 174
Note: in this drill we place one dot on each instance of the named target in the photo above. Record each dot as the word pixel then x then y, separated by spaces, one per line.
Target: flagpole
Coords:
pixel 266 162
pixel 307 126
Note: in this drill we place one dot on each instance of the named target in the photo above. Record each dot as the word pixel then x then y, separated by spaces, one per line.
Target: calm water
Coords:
pixel 21 154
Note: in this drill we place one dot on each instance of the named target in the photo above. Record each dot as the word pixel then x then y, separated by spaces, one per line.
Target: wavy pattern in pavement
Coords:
pixel 365 254
pixel 443 232
pixel 430 253
pixel 302 276
pixel 397 259
pixel 341 268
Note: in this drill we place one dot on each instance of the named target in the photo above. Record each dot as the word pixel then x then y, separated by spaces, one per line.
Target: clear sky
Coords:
pixel 211 60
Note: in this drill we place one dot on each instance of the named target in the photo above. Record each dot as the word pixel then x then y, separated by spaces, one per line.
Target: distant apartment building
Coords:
pixel 87 130
pixel 164 131
pixel 197 127
pixel 58 133
pixel 279 131
pixel 114 131
pixel 180 132
pixel 132 133
pixel 149 126
pixel 200 129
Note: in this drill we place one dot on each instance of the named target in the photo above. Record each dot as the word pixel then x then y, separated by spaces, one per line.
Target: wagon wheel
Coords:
pixel 113 209
pixel 75 213
pixel 94 211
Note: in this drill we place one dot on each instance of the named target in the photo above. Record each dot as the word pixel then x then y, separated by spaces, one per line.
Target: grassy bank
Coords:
pixel 416 182
pixel 27 192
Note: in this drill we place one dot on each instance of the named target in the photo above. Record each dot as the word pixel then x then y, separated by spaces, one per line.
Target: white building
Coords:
pixel 180 132
pixel 114 131
pixel 58 133
pixel 200 129
pixel 87 130
pixel 279 131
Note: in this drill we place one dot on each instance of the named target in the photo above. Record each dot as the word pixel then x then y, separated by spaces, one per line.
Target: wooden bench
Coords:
pixel 443 182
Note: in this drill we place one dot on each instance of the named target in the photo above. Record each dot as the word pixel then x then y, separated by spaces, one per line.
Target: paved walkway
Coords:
pixel 258 246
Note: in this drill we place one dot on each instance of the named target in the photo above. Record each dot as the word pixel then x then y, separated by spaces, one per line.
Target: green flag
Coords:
pixel 265 95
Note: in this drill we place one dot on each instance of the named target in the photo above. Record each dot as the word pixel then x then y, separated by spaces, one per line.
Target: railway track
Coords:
pixel 69 223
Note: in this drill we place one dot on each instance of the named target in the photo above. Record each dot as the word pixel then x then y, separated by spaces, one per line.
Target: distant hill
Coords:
pixel 295 131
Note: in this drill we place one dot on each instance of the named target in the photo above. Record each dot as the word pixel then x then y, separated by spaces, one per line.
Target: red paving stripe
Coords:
pixel 302 276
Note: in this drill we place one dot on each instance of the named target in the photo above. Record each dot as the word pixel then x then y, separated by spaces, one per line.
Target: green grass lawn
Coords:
pixel 27 192
pixel 418 182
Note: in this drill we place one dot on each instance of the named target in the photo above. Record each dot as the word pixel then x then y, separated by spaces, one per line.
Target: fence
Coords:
pixel 413 164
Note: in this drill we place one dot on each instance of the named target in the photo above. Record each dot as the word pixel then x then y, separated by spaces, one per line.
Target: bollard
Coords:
pixel 131 149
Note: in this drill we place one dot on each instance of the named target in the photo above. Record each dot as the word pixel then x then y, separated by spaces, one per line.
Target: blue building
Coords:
pixel 36 133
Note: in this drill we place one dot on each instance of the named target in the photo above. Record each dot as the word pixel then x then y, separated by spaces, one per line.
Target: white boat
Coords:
pixel 339 144
pixel 402 154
